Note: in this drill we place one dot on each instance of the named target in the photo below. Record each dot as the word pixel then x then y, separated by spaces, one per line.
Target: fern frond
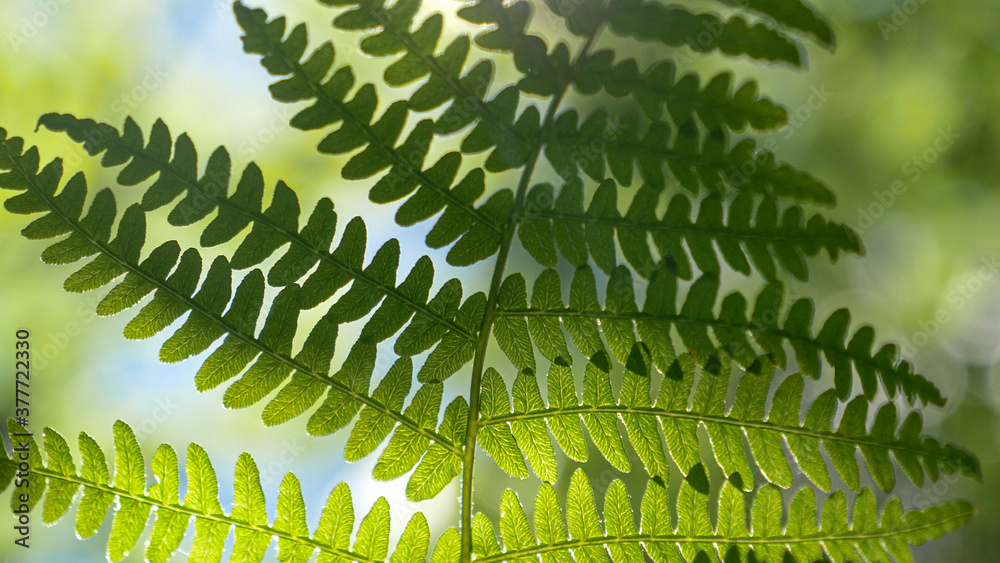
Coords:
pixel 478 230
pixel 792 14
pixel 652 88
pixel 713 165
pixel 496 122
pixel 404 305
pixel 395 33
pixel 674 25
pixel 172 516
pixel 658 88
pixel 576 533
pixel 751 229
pixel 689 399
pixel 620 319
pixel 710 164
pixel 676 131
pixel 301 380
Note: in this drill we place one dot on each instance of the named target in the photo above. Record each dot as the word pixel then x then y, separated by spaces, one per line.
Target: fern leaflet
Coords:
pixel 174 283
pixel 559 220
pixel 620 319
pixel 576 533
pixel 690 399
pixel 58 479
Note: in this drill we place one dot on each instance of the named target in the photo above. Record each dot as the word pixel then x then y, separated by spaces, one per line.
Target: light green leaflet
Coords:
pixel 263 361
pixel 57 480
pixel 689 399
pixel 575 531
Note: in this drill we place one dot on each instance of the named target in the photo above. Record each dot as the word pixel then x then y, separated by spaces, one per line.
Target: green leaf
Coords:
pixel 545 332
pixel 497 439
pixel 170 525
pixel 747 221
pixel 697 322
pixel 659 87
pixel 671 25
pixel 95 502
pixel 582 520
pixel 531 435
pixel 357 126
pixel 414 542
pixel 839 538
pixel 484 538
pixel 130 477
pixel 374 426
pixel 672 421
pixel 511 333
pixel 202 497
pixel 291 520
pixel 796 15
pixel 453 352
pixel 60 493
pixel 739 242
pixel 174 284
pixel 137 504
pixel 696 164
pixel 567 429
pixel 448 548
pixel 440 464
pixel 272 229
pixel 407 446
pixel 373 533
pixel 249 506
pixel 535 232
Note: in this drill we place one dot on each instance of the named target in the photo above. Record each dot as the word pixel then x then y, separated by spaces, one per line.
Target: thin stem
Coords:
pixel 490 314
pixel 710 419
pixel 660 225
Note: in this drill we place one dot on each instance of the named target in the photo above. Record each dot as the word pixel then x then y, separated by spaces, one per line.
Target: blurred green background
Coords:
pixel 911 95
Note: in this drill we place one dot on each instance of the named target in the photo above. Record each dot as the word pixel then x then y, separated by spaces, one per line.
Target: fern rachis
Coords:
pixel 674 136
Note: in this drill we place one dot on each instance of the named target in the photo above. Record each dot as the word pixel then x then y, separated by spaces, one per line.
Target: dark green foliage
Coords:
pixel 621 319
pixel 751 230
pixel 669 413
pixel 217 308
